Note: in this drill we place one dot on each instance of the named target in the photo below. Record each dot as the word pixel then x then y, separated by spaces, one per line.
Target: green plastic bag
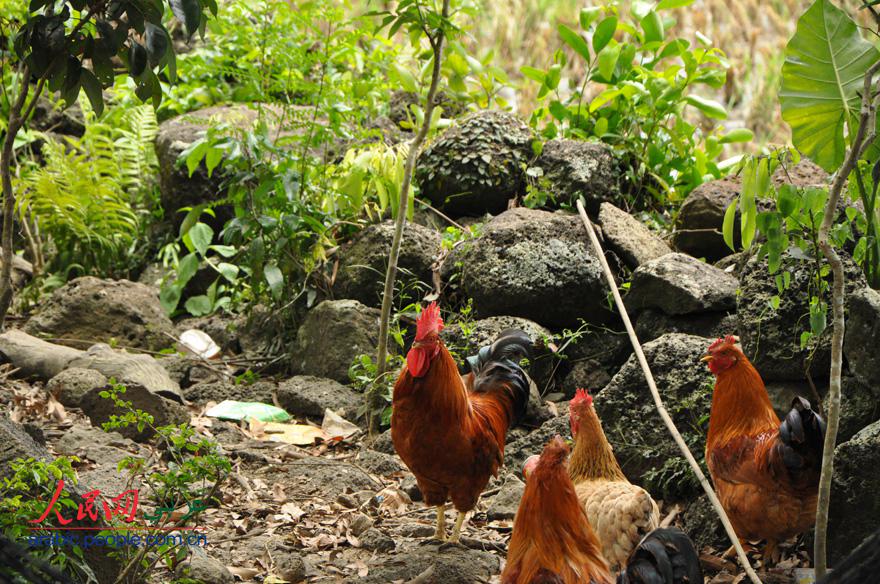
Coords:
pixel 236 410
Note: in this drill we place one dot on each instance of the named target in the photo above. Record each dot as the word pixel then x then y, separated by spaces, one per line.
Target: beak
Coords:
pixel 706 358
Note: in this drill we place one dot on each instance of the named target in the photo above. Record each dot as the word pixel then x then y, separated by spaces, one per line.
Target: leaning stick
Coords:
pixel 658 401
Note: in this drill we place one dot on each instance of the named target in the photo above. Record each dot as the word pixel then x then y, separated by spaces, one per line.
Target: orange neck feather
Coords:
pixel 551 532
pixel 740 405
pixel 593 457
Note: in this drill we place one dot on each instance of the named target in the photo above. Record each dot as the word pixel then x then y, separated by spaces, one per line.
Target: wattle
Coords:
pixel 417 362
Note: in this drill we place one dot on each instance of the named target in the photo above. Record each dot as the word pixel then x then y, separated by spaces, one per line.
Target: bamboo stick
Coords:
pixel 658 401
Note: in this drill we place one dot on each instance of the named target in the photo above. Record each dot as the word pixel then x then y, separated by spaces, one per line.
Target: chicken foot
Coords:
pixel 440 533
pixel 456 529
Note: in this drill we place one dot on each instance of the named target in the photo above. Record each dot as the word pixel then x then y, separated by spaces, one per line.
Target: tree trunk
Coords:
pixel 374 395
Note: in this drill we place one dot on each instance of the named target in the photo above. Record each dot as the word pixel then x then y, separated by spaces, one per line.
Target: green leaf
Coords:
pixel 533 74
pixel 711 108
pixel 604 32
pixel 201 235
pixel 588 16
pixel 823 73
pixel 275 279
pixel 669 4
pixel 575 41
pixel 608 60
pixel 92 87
pixel 652 24
pixel 189 12
pixel 729 221
pixel 554 75
pixel 786 200
pixel 228 271
pixel 407 79
pixel 186 269
pixel 198 305
pixel 738 135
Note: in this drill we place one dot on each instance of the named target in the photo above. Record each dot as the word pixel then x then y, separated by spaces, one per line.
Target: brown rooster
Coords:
pixel 450 430
pixel 620 512
pixel 554 543
pixel 766 474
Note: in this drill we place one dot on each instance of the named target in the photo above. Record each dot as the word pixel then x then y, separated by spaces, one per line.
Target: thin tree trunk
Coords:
pixel 16 121
pixel 374 395
pixel 865 135
pixel 658 401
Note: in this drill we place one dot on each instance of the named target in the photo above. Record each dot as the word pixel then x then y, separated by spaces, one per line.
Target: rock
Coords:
pixel 518 449
pixel 855 507
pixel 305 395
pixel 476 166
pixel 437 564
pixel 533 264
pixel 374 540
pixel 679 284
pixel 106 450
pixel 130 369
pixel 289 565
pixel 203 568
pixel 96 310
pixel 333 334
pixel 629 238
pixel 359 523
pixel 71 385
pixel 652 323
pixel 506 502
pixel 382 443
pixel 586 374
pixel 574 168
pixel 51 117
pixel 218 391
pixel 321 477
pixel 863 336
pixel 701 523
pixel 641 442
pixel 219 326
pixel 378 463
pixel 700 218
pixel 363 261
pixel 164 411
pixel 771 338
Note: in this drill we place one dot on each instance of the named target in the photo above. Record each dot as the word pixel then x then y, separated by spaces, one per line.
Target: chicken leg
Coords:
pixel 440 533
pixel 456 529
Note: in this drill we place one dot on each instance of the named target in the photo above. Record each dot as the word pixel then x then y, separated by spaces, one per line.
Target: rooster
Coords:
pixel 450 430
pixel 553 541
pixel 766 473
pixel 621 513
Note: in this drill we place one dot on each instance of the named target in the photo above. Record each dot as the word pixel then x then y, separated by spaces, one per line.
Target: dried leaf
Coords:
pixel 335 426
pixel 244 573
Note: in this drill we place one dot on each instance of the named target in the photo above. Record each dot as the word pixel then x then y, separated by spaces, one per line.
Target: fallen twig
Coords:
pixel 658 401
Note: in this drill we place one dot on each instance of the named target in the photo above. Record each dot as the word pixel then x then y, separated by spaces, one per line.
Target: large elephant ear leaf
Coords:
pixel 823 75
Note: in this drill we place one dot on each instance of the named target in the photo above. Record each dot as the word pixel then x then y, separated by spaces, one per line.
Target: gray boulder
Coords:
pixel 71 385
pixel 435 564
pixel 164 411
pixel 641 442
pixel 201 567
pixel 533 264
pixel 574 169
pixel 477 165
pixel 860 346
pixel 700 218
pixel 629 238
pixel 363 261
pixel 680 284
pixel 96 310
pixel 771 338
pixel 652 323
pixel 53 117
pixel 855 507
pixel 332 335
pixel 504 505
pixel 218 391
pixel 305 395
pixel 521 445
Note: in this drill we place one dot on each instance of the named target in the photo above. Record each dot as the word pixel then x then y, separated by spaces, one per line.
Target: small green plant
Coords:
pixel 185 471
pixel 637 95
pixel 24 496
pixel 364 375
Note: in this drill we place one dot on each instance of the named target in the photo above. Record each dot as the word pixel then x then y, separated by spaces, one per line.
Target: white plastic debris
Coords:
pixel 198 343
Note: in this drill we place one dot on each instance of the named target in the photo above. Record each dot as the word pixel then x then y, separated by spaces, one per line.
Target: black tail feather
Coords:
pixel 802 435
pixel 500 363
pixel 664 556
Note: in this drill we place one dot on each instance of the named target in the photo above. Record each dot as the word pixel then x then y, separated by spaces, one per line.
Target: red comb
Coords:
pixel 728 340
pixel 582 395
pixel 429 322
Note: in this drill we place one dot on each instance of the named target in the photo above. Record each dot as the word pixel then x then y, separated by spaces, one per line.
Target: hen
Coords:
pixel 620 512
pixel 554 543
pixel 450 430
pixel 766 474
